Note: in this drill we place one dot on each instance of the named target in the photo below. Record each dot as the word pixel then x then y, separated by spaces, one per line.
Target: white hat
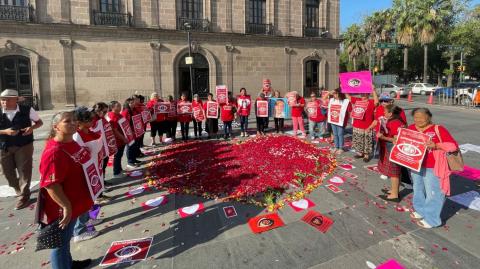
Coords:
pixel 9 93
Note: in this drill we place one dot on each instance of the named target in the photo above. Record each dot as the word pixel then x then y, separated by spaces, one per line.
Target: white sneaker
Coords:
pixel 312 138
pixel 339 151
pixel 384 177
pixel 131 167
pixel 94 222
pixel 85 236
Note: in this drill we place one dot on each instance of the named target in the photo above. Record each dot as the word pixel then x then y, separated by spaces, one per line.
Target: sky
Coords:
pixel 353 11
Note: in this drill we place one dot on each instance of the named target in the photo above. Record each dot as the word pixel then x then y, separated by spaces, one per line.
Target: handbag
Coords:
pixel 454 159
pixel 49 236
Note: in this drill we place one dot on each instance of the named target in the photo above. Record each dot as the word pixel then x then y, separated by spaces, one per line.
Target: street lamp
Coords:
pixel 189 59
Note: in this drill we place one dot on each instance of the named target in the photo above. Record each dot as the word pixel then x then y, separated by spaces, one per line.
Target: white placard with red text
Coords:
pixel 262 109
pixel 138 125
pixel 127 130
pixel 359 109
pixel 222 94
pixel 410 149
pixel 212 110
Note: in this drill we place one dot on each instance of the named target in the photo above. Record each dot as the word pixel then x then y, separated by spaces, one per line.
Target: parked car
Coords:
pixel 466 91
pixel 393 89
pixel 421 88
pixel 445 92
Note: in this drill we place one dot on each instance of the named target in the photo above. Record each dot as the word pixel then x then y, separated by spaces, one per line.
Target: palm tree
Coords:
pixel 354 43
pixel 379 27
pixel 405 25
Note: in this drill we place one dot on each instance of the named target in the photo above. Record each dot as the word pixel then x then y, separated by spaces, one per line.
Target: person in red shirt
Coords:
pixel 244 104
pixel 227 114
pixel 386 138
pixel 363 114
pixel 212 123
pixel 184 119
pixel 172 119
pixel 197 124
pixel 297 119
pixel 157 125
pixel 262 122
pixel 384 100
pixel 428 197
pixel 279 112
pixel 132 150
pixel 315 116
pixel 114 116
pixel 63 187
pixel 335 118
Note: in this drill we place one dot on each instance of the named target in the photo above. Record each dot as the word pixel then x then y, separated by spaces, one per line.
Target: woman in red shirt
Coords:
pixel 386 138
pixel 262 122
pixel 132 150
pixel 244 104
pixel 212 123
pixel 227 114
pixel 172 119
pixel 428 196
pixel 197 124
pixel 363 114
pixel 114 116
pixel 297 119
pixel 315 116
pixel 184 119
pixel 157 125
pixel 63 186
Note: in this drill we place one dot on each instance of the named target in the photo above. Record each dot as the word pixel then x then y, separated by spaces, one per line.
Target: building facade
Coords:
pixel 61 53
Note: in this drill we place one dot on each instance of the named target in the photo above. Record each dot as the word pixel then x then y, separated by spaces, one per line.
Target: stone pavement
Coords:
pixel 365 229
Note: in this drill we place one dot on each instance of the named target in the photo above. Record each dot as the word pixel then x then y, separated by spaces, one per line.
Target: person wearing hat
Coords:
pixel 16 144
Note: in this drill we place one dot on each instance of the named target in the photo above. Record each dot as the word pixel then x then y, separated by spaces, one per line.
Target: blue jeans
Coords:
pixel 243 123
pixel 81 224
pixel 311 128
pixel 428 198
pixel 117 160
pixel 338 135
pixel 227 127
pixel 61 258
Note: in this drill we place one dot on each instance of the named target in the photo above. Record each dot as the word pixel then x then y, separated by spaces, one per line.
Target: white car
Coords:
pixel 421 88
pixel 393 89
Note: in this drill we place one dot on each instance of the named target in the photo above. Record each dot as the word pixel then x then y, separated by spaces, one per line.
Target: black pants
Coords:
pixel 262 124
pixel 197 128
pixel 279 124
pixel 184 127
pixel 117 161
pixel 131 153
pixel 171 129
pixel 227 127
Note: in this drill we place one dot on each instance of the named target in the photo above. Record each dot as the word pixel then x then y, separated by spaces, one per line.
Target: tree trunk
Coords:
pixel 450 75
pixel 381 62
pixel 405 64
pixel 425 63
pixel 354 63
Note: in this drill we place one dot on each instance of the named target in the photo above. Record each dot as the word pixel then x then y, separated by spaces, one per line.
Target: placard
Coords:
pixel 138 125
pixel 265 223
pixel 162 107
pixel 278 108
pixel 222 94
pixel 127 130
pixel 212 110
pixel 146 116
pixel 198 113
pixel 359 109
pixel 410 149
pixel 312 109
pixel 110 138
pixel 127 251
pixel 292 98
pixel 172 110
pixel 262 109
pixel 356 82
pixel 184 108
pixel 94 179
pixel 334 114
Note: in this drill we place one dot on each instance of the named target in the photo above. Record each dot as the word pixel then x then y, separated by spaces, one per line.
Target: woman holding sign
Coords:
pixel 211 108
pixel 184 111
pixel 338 111
pixel 198 116
pixel 132 149
pixel 64 192
pixel 429 189
pixel 363 114
pixel 297 113
pixel 315 116
pixel 244 104
pixel 121 140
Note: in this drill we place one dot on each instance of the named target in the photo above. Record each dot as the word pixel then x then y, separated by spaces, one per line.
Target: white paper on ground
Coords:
pixel 464 148
pixel 469 199
pixel 7 191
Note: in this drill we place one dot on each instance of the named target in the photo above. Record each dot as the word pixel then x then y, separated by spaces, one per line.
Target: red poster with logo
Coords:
pixel 138 125
pixel 318 221
pixel 127 131
pixel 312 108
pixel 198 113
pixel 94 179
pixel 410 149
pixel 110 138
pixel 334 113
pixel 162 107
pixel 262 109
pixel 184 108
pixel 222 94
pixel 359 109
pixel 212 110
pixel 264 223
pixel 146 116
pixel 127 251
pixel 172 110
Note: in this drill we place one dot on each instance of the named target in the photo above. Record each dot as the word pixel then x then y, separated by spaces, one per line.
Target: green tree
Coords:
pixel 354 43
pixel 405 21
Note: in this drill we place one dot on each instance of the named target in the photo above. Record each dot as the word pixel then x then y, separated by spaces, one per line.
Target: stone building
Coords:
pixel 61 53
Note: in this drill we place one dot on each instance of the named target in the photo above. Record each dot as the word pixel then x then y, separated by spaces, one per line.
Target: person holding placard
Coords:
pixel 198 116
pixel 363 114
pixel 211 108
pixel 297 115
pixel 279 113
pixel 338 113
pixel 128 113
pixel 261 111
pixel 325 99
pixel 172 119
pixel 184 117
pixel 428 190
pixel 121 140
pixel 315 116
pixel 244 104
pixel 100 109
pixel 228 115
pixel 386 138
pixel 158 123
pixel 63 190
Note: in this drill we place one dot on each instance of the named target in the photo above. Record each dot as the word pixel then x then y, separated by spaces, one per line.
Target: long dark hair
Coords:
pixel 396 112
pixel 341 95
pixel 99 107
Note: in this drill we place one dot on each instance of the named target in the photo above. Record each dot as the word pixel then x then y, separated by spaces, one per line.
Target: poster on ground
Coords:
pixel 410 149
pixel 356 82
pixel 127 251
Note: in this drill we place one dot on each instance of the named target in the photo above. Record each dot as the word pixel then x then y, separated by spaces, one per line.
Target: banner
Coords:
pixel 127 251
pixel 278 108
pixel 172 110
pixel 146 116
pixel 292 98
pixel 359 109
pixel 312 109
pixel 212 110
pixel 222 94
pixel 356 82
pixel 127 130
pixel 198 113
pixel 162 107
pixel 410 149
pixel 262 109
pixel 138 125
pixel 184 108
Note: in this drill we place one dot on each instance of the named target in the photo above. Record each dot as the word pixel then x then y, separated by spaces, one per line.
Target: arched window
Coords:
pixel 200 75
pixel 15 74
pixel 311 77
pixel 312 24
pixel 110 6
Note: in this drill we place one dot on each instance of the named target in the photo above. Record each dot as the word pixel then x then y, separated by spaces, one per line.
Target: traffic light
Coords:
pixel 461 68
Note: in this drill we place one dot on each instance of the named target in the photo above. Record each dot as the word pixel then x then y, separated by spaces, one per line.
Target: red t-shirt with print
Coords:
pixel 320 117
pixel 227 112
pixel 57 167
pixel 298 110
pixel 368 117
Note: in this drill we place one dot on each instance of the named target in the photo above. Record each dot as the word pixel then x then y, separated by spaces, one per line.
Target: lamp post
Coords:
pixel 189 59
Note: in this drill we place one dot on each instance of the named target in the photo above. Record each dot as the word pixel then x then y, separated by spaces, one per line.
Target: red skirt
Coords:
pixel 385 166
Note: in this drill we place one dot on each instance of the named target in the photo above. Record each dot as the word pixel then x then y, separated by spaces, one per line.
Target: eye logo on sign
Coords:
pixel 112 143
pixel 358 110
pixel 409 149
pixel 138 126
pixel 354 82
pixel 185 109
pixel 95 180
pixel 212 109
pixel 265 222
pixel 335 114
pixel 318 220
pixel 127 252
pixel 263 109
pixel 163 108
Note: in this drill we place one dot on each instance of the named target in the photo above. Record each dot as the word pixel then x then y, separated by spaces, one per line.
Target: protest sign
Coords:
pixel 127 130
pixel 146 116
pixel 356 82
pixel 198 114
pixel 410 149
pixel 278 108
pixel 222 94
pixel 212 110
pixel 292 98
pixel 312 108
pixel 262 109
pixel 359 109
pixel 184 108
pixel 138 125
pixel 127 251
pixel 162 107
pixel 265 223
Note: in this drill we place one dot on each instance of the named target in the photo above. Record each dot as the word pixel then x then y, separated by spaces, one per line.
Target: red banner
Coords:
pixel 127 131
pixel 146 116
pixel 334 113
pixel 198 113
pixel 110 138
pixel 162 107
pixel 138 125
pixel 312 108
pixel 410 149
pixel 222 94
pixel 212 110
pixel 184 108
pixel 262 109
pixel 359 109
pixel 127 251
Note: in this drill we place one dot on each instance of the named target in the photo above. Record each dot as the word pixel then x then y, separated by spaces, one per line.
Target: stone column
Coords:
pixel 288 70
pixel 70 98
pixel 230 50
pixel 157 66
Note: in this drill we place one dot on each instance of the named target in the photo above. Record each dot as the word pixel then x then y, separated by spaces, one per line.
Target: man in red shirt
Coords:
pixel 315 116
